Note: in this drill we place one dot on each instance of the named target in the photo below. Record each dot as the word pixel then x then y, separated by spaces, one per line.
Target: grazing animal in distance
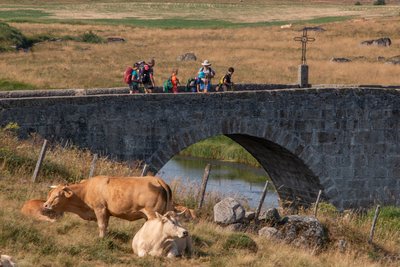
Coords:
pixel 34 208
pixel 98 198
pixel 162 236
pixel 286 26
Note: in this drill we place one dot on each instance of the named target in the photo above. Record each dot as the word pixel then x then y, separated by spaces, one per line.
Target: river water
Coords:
pixel 227 179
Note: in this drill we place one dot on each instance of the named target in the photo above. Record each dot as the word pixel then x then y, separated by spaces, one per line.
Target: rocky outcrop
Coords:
pixel 393 60
pixel 187 57
pixel 382 42
pixel 300 231
pixel 340 59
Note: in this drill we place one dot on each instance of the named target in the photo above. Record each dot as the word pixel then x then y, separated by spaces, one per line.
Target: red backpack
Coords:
pixel 128 75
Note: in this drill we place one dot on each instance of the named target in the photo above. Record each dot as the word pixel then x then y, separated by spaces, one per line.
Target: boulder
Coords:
pixel 382 42
pixel 303 231
pixel 187 57
pixel 340 59
pixel 228 211
pixel 7 261
pixel 272 217
pixel 268 232
pixel 249 216
pixel 393 60
pixel 115 39
pixel 300 231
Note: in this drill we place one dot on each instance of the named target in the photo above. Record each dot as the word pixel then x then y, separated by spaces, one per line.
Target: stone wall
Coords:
pixel 344 141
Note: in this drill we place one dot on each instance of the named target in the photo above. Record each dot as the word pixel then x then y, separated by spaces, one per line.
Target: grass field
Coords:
pixel 245 35
pixel 74 242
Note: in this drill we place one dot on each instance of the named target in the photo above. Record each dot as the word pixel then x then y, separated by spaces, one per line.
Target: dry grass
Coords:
pixel 74 242
pixel 259 55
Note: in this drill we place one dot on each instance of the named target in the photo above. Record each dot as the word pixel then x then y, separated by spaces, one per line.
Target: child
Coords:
pixel 175 81
pixel 226 83
pixel 134 84
pixel 201 82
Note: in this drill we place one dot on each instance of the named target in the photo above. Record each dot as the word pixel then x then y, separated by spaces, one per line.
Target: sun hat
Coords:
pixel 206 63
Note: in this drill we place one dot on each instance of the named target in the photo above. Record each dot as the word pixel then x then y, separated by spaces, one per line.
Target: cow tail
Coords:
pixel 168 205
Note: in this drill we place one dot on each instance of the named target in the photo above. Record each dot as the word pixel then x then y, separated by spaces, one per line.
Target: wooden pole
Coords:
pixel 371 234
pixel 317 203
pixel 93 165
pixel 145 170
pixel 264 193
pixel 40 160
pixel 204 184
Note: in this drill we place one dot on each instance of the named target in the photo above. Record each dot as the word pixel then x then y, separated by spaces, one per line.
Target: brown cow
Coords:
pixel 98 198
pixel 34 208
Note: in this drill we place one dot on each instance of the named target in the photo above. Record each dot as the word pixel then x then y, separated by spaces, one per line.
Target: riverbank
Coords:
pixel 220 148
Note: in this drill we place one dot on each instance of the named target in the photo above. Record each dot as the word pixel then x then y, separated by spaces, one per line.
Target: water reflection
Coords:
pixel 230 179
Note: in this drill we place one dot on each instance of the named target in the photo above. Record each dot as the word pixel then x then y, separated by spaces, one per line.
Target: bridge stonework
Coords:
pixel 344 141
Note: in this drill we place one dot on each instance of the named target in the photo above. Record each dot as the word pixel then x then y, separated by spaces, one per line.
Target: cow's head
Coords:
pixel 58 197
pixel 171 226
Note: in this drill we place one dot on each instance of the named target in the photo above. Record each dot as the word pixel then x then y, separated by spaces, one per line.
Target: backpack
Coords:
pixel 128 75
pixel 191 83
pixel 221 80
pixel 140 66
pixel 167 86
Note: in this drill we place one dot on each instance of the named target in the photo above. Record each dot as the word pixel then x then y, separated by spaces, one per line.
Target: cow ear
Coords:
pixel 170 214
pixel 67 192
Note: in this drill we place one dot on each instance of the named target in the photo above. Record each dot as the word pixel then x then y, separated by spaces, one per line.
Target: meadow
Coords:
pixel 245 36
pixel 74 242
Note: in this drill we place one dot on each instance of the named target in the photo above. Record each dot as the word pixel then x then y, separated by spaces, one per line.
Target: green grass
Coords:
pixel 222 148
pixel 22 14
pixel 176 23
pixel 6 85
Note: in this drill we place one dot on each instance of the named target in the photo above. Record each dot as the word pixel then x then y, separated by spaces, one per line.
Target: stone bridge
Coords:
pixel 344 141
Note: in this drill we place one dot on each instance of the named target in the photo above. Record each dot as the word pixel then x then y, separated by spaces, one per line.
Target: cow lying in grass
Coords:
pixel 186 213
pixel 34 208
pixel 162 236
pixel 98 198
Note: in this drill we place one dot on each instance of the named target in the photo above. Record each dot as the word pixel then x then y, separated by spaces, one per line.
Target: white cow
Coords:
pixel 162 236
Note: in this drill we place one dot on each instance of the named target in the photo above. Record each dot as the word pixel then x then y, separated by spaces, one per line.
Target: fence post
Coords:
pixel 93 165
pixel 40 160
pixel 371 234
pixel 264 193
pixel 204 184
pixel 145 170
pixel 317 203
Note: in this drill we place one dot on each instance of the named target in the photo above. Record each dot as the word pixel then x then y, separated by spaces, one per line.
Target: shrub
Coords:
pixel 357 3
pixel 90 37
pixel 11 38
pixel 240 241
pixel 379 3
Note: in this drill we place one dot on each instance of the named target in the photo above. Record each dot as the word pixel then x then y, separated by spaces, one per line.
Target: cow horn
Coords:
pixel 53 186
pixel 182 212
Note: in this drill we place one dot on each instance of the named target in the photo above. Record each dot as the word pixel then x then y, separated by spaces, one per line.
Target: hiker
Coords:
pixel 134 84
pixel 191 85
pixel 208 73
pixel 171 85
pixel 226 83
pixel 201 82
pixel 175 81
pixel 147 76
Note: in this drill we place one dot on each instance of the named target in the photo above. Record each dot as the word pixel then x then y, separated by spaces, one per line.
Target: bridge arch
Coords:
pixel 285 157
